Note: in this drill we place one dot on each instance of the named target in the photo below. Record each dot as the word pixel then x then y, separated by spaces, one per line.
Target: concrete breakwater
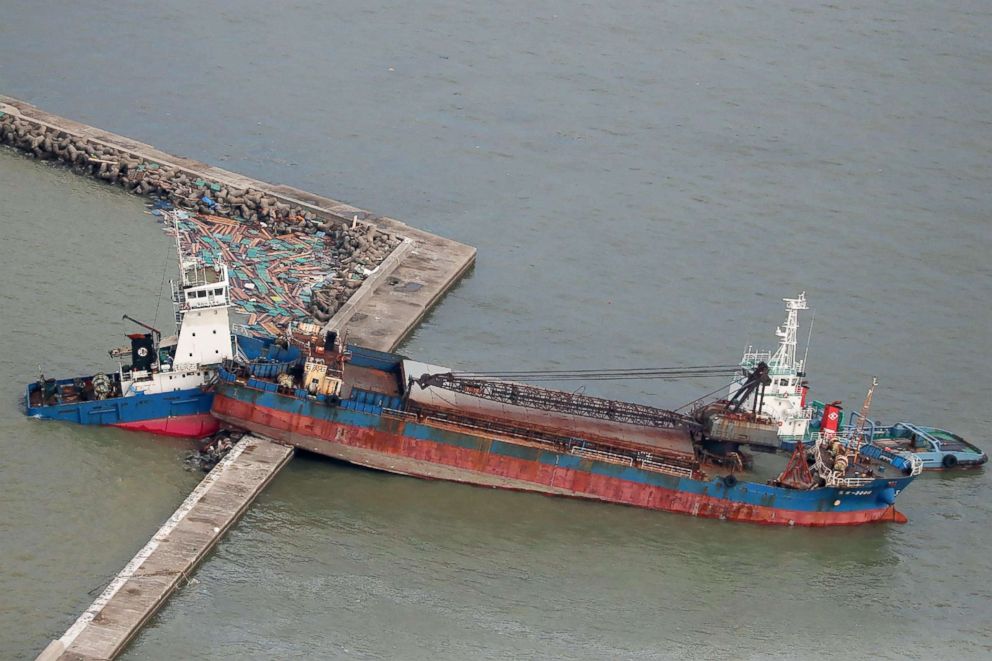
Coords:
pixel 380 308
pixel 354 248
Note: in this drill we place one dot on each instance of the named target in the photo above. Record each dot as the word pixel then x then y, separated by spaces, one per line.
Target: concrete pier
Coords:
pixel 163 565
pixel 378 314
pixel 393 299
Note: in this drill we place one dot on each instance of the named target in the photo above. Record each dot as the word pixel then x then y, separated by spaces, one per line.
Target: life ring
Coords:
pixel 949 461
pixel 730 481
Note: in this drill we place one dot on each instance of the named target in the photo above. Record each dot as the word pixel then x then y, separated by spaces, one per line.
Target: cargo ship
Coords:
pixel 161 385
pixel 386 412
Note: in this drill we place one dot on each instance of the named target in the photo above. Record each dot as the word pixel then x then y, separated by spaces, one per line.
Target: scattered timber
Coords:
pixel 393 300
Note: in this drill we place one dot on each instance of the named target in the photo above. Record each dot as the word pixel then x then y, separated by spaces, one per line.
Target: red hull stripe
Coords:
pixel 396 453
pixel 186 426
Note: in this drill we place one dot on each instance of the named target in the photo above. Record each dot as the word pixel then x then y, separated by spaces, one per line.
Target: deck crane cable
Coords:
pixel 631 377
pixel 623 370
pixel 161 287
pixel 700 400
pixel 662 373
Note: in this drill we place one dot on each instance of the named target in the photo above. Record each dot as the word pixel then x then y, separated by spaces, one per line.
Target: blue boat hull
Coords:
pixel 182 413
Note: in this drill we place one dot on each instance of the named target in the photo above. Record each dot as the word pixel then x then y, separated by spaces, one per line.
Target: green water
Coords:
pixel 644 183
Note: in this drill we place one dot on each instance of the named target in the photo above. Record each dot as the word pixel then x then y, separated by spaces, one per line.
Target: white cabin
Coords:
pixel 189 359
pixel 784 397
pixel 202 317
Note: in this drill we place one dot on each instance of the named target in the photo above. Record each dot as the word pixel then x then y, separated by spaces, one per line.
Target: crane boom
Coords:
pixel 546 399
pixel 158 333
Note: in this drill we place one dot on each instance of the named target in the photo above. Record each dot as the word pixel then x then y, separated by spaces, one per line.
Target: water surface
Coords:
pixel 644 183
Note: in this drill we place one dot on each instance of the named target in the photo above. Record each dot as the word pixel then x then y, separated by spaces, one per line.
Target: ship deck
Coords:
pixel 367 378
pixel 905 442
pixel 668 442
pixel 678 449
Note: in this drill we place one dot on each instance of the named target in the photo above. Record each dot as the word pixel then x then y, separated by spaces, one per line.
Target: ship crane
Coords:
pixel 143 348
pixel 859 432
pixel 546 399
pixel 157 332
pixel 755 384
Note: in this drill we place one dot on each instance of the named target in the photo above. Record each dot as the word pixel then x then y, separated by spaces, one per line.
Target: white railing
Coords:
pixel 853 482
pixel 835 478
pixel 646 462
pixel 756 357
pixel 603 455
pixel 915 462
pixel 662 467
pixel 751 359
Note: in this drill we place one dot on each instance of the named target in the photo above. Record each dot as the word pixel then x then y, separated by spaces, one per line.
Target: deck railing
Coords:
pixel 906 462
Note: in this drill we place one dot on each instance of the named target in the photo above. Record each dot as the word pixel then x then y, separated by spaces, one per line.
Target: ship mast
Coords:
pixel 785 356
pixel 863 418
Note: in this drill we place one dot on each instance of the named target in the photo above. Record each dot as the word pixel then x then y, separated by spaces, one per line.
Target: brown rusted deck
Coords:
pixel 162 566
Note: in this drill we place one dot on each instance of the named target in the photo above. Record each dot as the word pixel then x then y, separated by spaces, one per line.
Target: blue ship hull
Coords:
pixel 183 413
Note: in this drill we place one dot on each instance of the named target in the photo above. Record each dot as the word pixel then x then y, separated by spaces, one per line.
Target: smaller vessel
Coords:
pixel 938 449
pixel 161 384
pixel 782 417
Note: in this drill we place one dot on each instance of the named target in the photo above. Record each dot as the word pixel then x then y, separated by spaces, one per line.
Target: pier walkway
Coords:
pixel 163 565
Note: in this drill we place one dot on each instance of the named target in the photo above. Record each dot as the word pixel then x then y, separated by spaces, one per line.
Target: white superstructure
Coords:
pixel 202 316
pixel 783 398
pixel 189 359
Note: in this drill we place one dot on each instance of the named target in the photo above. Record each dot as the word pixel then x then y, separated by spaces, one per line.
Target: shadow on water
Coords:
pixel 642 186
